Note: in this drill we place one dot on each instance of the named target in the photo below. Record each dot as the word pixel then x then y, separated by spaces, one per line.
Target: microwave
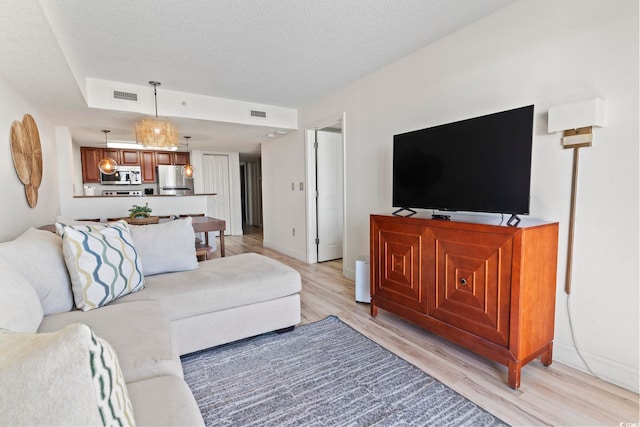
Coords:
pixel 125 175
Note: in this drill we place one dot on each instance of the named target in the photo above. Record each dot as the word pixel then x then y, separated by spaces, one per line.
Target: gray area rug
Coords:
pixel 321 374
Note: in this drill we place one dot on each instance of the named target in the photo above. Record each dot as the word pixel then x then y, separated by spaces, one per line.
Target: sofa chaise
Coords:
pixel 55 320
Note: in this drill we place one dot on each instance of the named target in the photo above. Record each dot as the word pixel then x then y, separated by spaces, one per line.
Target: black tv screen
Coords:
pixel 481 164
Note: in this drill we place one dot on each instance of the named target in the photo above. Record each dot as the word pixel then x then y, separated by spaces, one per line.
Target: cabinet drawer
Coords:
pixel 470 283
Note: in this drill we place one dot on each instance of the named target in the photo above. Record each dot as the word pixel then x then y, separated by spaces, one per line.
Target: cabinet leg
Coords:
pixel 547 357
pixel 514 375
pixel 374 309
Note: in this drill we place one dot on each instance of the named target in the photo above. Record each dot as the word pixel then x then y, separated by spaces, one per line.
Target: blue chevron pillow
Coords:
pixel 103 263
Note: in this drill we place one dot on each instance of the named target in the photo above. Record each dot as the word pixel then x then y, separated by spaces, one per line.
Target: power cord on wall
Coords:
pixel 573 338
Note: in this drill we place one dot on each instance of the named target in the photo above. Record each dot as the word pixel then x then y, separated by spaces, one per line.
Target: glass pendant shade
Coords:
pixel 107 165
pixel 188 171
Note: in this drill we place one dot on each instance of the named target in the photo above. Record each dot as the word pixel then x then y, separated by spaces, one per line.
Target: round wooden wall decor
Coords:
pixel 21 152
pixel 26 152
pixel 36 149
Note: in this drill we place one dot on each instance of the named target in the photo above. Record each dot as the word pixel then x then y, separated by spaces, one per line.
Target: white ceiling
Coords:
pixel 278 52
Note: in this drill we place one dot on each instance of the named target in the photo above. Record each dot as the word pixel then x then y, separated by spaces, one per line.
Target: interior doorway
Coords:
pixel 325 195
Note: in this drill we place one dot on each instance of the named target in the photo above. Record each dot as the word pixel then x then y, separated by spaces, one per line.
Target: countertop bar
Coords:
pixel 99 196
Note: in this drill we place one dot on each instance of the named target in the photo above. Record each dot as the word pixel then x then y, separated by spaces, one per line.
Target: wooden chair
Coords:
pixel 203 251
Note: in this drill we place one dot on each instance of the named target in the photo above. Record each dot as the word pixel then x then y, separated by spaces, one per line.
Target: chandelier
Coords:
pixel 154 132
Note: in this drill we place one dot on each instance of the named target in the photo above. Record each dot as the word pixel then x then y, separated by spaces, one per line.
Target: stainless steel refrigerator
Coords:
pixel 172 182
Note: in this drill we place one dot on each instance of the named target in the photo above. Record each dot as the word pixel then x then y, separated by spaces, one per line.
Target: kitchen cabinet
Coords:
pixel 90 158
pixel 113 153
pixel 130 157
pixel 148 166
pixel 489 288
pixel 147 160
pixel 171 158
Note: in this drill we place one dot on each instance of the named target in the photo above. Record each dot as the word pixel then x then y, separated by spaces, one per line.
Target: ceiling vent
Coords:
pixel 125 96
pixel 259 114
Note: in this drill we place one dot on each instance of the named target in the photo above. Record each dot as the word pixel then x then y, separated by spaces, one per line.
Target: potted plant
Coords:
pixel 139 215
pixel 140 211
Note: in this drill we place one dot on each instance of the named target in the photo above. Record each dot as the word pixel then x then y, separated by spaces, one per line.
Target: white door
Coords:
pixel 329 195
pixel 215 179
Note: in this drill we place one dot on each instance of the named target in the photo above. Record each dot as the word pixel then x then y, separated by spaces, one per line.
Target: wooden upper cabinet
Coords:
pixel 113 153
pixel 164 158
pixel 171 158
pixel 90 157
pixel 146 159
pixel 148 166
pixel 130 157
pixel 181 158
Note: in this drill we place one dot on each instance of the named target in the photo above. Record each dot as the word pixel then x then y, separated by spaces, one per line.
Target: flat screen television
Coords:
pixel 482 164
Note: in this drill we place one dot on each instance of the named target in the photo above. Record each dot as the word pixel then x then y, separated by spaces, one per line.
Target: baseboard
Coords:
pixel 608 370
pixel 301 256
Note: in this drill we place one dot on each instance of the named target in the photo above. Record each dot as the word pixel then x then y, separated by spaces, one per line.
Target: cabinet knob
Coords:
pixel 463 282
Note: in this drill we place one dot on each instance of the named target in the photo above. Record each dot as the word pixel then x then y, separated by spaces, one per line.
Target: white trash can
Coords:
pixel 363 293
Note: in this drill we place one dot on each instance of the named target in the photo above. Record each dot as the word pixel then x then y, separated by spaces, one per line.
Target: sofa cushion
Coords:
pixel 165 247
pixel 103 263
pixel 51 279
pixel 20 307
pixel 164 401
pixel 138 331
pixel 220 284
pixel 70 377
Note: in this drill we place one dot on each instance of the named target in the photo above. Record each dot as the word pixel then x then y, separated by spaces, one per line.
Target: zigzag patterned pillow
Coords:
pixel 111 391
pixel 103 263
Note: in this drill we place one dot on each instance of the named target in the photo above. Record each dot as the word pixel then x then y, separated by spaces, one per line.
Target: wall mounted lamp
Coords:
pixel 576 121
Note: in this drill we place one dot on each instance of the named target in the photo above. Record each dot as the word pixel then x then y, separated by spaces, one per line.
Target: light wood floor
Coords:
pixel 557 395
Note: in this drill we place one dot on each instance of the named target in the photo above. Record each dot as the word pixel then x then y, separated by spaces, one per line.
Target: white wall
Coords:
pixel 533 52
pixel 15 214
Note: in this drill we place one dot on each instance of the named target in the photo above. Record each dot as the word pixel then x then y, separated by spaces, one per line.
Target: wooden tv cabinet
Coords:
pixel 489 288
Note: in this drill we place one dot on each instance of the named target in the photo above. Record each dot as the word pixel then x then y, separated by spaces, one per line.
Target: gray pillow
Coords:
pixel 37 255
pixel 20 308
pixel 165 247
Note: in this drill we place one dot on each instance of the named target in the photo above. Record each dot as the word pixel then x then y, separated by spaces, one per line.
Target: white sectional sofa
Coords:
pixel 169 315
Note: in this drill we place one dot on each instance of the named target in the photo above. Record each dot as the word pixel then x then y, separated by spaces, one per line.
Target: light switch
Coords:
pixel 301 186
pixel 293 186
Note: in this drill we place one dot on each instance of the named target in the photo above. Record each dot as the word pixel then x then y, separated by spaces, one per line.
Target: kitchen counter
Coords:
pixel 99 196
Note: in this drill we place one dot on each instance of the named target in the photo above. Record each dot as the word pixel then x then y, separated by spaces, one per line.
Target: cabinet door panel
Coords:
pixel 164 158
pixel 181 158
pixel 403 261
pixel 90 158
pixel 148 166
pixel 130 157
pixel 471 287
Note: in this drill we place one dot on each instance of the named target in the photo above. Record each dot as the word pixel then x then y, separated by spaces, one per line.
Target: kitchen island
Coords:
pixel 103 207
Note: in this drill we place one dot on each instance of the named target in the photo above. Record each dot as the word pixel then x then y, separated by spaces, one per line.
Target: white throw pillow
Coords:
pixel 37 255
pixel 103 263
pixel 166 247
pixel 69 377
pixel 20 307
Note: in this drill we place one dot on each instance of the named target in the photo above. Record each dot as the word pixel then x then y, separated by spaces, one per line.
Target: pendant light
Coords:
pixel 188 170
pixel 107 165
pixel 154 132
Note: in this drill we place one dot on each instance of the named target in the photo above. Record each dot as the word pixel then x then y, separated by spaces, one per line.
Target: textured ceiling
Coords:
pixel 278 52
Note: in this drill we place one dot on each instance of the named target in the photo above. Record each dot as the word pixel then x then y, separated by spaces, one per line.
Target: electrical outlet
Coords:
pixel 293 232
